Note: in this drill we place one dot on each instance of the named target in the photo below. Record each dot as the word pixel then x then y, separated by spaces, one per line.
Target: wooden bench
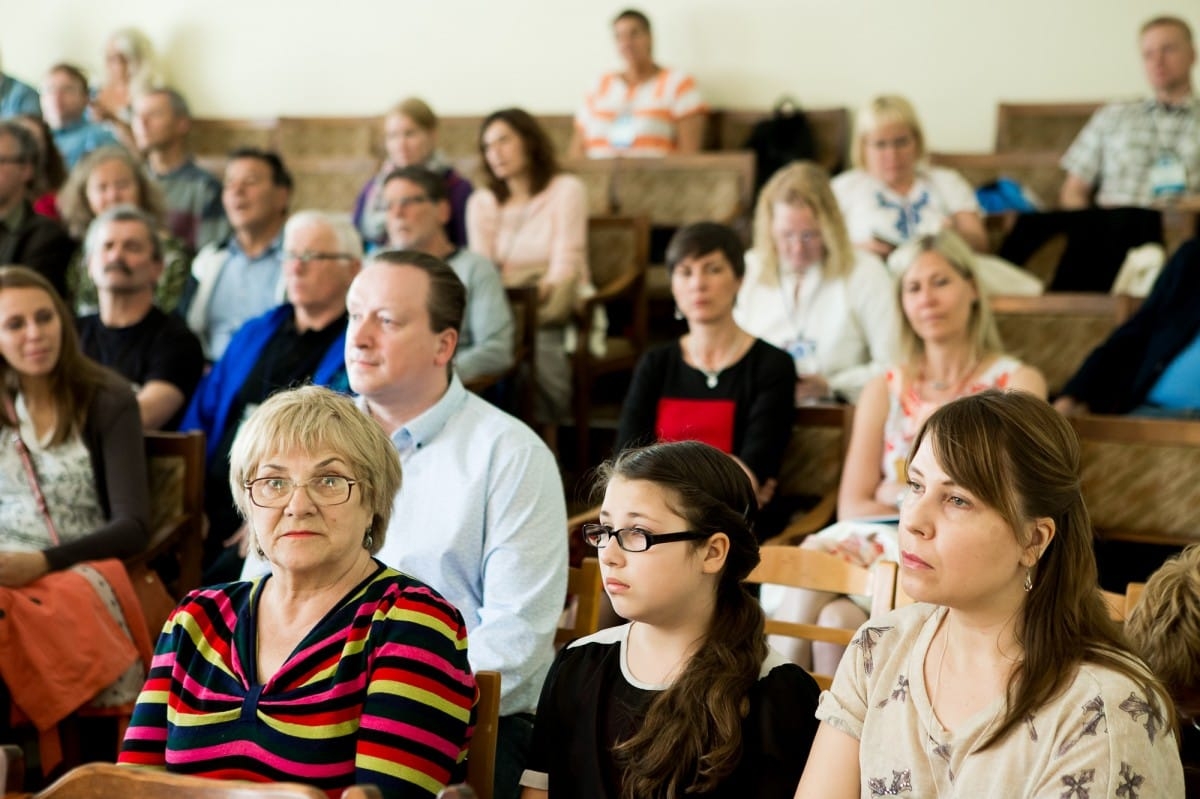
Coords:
pixel 1055 332
pixel 1138 477
pixel 1040 127
pixel 1038 171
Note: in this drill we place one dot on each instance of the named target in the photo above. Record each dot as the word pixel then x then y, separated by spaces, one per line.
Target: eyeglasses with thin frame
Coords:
pixel 276 492
pixel 307 258
pixel 634 539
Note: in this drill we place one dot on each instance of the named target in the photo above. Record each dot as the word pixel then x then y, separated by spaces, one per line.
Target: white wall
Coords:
pixel 954 58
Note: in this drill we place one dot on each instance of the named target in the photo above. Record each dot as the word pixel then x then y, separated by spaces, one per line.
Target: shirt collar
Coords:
pixel 420 431
pixel 274 247
pixel 1187 105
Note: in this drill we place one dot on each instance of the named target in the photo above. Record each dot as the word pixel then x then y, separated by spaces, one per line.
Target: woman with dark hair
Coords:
pixel 531 221
pixel 686 698
pixel 717 384
pixel 49 173
pixel 643 108
pixel 1007 678
pixel 410 140
pixel 103 179
pixel 73 488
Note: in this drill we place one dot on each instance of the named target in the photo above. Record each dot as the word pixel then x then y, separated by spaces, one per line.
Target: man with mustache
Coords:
pixel 130 335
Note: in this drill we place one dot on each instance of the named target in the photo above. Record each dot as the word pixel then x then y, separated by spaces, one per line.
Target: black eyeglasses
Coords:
pixel 276 492
pixel 634 539
pixel 306 258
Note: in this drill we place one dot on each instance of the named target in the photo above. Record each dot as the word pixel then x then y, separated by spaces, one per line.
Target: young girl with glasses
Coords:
pixel 686 697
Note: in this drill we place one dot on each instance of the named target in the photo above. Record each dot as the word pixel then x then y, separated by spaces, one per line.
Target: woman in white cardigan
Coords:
pixel 809 292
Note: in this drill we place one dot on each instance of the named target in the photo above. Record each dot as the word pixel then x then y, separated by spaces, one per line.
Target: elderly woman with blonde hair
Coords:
pixel 810 293
pixel 894 195
pixel 334 669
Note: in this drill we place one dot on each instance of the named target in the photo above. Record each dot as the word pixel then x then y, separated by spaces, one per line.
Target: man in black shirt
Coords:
pixel 154 351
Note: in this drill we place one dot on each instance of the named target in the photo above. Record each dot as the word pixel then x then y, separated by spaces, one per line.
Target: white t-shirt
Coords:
pixel 872 209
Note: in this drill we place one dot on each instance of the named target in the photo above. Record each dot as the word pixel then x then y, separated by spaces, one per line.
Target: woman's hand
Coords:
pixel 811 387
pixel 876 246
pixel 22 568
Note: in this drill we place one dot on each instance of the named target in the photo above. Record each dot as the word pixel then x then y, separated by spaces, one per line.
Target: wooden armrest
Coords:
pixel 161 540
pixel 819 516
pixel 617 287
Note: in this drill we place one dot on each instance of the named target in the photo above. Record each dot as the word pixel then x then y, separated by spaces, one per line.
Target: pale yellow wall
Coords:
pixel 954 58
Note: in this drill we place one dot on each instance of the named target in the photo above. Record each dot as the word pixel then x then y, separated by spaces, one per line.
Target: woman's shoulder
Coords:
pixel 767 357
pixel 113 395
pixel 565 184
pixel 896 628
pixel 391 587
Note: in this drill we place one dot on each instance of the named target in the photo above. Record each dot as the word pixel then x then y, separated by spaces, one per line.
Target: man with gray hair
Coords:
pixel 300 341
pixel 27 238
pixel 153 350
pixel 161 123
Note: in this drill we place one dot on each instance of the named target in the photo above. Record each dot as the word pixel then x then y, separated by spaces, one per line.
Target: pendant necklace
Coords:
pixel 711 376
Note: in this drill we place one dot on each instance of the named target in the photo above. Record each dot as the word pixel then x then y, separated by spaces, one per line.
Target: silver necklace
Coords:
pixel 711 376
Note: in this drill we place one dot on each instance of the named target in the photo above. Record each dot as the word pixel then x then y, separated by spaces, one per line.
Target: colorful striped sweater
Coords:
pixel 380 691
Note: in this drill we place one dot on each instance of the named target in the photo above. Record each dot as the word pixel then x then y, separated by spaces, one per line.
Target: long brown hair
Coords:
pixel 74 379
pixel 539 151
pixel 1019 456
pixel 691 737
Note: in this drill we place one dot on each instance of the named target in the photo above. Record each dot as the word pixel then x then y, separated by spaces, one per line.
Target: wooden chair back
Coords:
pixel 1040 127
pixel 796 567
pixel 110 781
pixel 1055 332
pixel 175 466
pixel 812 466
pixel 219 137
pixel 584 592
pixel 330 137
pixel 1037 171
pixel 1139 477
pixel 680 189
pixel 481 757
pixel 329 183
pixel 1120 606
pixel 830 128
pixel 523 301
pixel 618 249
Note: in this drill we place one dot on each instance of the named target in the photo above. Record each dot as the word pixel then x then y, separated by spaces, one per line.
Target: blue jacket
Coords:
pixel 210 405
pixel 1119 373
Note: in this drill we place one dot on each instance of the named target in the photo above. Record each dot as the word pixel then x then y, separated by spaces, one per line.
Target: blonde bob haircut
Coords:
pixel 312 419
pixel 981 327
pixel 1164 627
pixel 884 110
pixel 802 184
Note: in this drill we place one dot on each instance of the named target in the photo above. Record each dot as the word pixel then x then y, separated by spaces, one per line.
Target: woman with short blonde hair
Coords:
pixel 810 293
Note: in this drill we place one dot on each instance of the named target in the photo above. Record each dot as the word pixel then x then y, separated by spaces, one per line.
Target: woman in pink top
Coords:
pixel 531 221
pixel 949 348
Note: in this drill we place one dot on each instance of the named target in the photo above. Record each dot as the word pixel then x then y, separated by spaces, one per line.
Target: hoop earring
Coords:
pixel 368 540
pixel 1028 579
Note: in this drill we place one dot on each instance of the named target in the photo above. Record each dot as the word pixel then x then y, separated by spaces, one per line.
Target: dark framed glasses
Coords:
pixel 634 539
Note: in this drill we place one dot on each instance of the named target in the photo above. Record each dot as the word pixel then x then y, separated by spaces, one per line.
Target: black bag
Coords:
pixel 779 140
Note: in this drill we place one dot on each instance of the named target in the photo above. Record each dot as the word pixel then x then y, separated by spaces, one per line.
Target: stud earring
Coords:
pixel 678 314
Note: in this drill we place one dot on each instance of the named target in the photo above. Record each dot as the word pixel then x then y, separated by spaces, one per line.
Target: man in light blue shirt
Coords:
pixel 64 102
pixel 480 515
pixel 241 277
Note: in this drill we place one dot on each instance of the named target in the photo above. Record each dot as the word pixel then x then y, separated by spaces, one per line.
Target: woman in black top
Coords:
pixel 717 384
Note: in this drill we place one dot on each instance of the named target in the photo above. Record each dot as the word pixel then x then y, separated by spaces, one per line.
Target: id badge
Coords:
pixel 804 355
pixel 1168 176
pixel 623 131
